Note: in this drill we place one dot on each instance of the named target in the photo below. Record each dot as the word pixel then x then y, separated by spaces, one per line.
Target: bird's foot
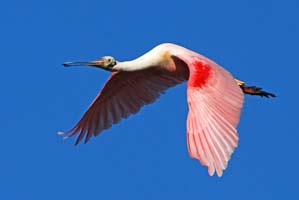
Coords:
pixel 253 90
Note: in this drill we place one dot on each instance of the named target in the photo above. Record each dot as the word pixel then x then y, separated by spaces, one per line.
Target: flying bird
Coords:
pixel 214 96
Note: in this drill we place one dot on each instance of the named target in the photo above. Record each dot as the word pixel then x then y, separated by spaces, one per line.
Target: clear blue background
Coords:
pixel 144 157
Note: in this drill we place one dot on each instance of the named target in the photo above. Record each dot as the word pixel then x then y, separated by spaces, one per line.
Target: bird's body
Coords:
pixel 215 99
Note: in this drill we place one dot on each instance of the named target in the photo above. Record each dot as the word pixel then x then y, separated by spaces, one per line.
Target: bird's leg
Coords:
pixel 253 90
pixel 240 83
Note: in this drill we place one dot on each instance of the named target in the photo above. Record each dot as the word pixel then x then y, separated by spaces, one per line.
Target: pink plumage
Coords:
pixel 123 94
pixel 215 99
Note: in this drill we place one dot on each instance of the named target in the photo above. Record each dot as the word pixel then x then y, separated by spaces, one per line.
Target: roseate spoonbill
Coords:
pixel 215 99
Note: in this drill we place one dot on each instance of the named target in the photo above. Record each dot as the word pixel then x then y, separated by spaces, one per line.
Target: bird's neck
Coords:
pixel 148 60
pixel 134 65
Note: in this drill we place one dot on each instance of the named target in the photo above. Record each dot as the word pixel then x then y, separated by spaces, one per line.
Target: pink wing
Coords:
pixel 215 102
pixel 123 94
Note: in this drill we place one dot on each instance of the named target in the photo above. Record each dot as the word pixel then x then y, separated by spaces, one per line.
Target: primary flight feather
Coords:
pixel 214 98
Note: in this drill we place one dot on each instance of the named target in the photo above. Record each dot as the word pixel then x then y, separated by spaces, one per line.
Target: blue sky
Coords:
pixel 145 156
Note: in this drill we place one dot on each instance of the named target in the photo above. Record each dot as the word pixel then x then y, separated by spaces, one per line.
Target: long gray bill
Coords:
pixel 69 64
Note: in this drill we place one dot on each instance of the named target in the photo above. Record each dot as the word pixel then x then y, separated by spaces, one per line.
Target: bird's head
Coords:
pixel 106 63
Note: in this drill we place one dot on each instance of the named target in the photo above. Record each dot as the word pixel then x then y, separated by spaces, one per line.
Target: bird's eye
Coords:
pixel 109 59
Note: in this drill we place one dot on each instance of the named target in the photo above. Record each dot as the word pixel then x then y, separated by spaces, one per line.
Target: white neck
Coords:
pixel 145 61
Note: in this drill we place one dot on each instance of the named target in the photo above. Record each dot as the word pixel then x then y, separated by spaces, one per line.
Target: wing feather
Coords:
pixel 123 95
pixel 214 99
pixel 214 110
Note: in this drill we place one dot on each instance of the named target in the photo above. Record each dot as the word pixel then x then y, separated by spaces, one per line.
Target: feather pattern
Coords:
pixel 214 112
pixel 123 94
pixel 214 99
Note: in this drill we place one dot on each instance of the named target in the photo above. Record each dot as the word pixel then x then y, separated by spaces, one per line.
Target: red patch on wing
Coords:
pixel 199 74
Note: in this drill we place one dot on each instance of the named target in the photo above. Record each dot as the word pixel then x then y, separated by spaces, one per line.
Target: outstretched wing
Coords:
pixel 123 94
pixel 215 102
